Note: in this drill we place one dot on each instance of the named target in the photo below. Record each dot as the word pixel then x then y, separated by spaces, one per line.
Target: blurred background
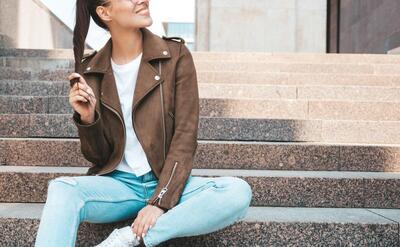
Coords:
pixel 318 26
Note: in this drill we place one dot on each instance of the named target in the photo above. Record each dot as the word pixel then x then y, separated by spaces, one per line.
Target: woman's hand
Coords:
pixel 145 219
pixel 82 98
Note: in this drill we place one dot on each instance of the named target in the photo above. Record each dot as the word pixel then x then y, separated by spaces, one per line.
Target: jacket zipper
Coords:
pixel 163 119
pixel 165 188
pixel 133 123
pixel 123 124
pixel 162 109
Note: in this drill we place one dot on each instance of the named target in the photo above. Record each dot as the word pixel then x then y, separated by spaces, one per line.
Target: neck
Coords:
pixel 126 45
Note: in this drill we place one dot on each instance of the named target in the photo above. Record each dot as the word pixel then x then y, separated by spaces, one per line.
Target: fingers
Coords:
pixel 79 91
pixel 82 89
pixel 78 94
pixel 76 75
pixel 139 226
pixel 143 223
pixel 145 228
pixel 81 98
pixel 74 78
pixel 135 226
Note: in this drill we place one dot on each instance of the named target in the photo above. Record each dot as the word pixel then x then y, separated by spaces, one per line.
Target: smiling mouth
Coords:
pixel 144 8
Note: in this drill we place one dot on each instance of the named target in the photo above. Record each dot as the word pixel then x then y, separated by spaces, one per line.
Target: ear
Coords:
pixel 104 13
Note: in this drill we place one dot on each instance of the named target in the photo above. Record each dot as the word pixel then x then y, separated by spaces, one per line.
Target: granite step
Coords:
pixel 229 65
pixel 58 68
pixel 230 77
pixel 262 226
pixel 315 58
pixel 234 108
pixel 221 128
pixel 222 155
pixel 277 57
pixel 259 66
pixel 243 77
pixel 231 91
pixel 270 187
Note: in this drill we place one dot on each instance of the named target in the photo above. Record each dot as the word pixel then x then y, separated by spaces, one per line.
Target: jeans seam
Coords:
pixel 145 192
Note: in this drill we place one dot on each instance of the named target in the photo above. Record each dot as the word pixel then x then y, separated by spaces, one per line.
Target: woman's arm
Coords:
pixel 184 141
pixel 94 145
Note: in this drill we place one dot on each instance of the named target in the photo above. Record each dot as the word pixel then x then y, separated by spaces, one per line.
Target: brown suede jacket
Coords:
pixel 165 112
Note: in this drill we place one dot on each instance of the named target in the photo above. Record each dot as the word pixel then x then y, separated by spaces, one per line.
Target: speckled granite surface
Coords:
pixel 258 108
pixel 270 188
pixel 221 154
pixel 308 220
pixel 22 232
pixel 14 74
pixel 210 128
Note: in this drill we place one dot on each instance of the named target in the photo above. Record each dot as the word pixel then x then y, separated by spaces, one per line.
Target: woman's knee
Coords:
pixel 239 191
pixel 244 196
pixel 62 189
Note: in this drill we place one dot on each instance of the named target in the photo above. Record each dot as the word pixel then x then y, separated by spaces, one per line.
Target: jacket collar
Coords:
pixel 154 47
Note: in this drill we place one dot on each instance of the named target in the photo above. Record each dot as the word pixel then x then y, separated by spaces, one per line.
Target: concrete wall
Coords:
pixel 261 25
pixel 28 24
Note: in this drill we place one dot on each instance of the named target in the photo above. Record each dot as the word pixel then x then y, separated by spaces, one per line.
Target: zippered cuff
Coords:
pixel 76 117
pixel 168 195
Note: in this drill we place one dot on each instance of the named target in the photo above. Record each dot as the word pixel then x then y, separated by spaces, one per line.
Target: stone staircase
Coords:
pixel 317 136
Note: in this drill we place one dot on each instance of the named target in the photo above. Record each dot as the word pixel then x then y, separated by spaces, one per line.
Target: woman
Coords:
pixel 136 108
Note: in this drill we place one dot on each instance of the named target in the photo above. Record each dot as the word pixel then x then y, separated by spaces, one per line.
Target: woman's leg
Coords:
pixel 207 204
pixel 95 199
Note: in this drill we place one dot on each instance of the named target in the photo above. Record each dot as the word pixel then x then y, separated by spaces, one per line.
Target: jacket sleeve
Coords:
pixel 94 145
pixel 179 160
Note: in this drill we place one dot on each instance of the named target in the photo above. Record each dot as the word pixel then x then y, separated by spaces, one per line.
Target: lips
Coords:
pixel 141 10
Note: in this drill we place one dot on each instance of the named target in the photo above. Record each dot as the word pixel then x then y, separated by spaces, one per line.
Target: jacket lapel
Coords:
pixel 148 78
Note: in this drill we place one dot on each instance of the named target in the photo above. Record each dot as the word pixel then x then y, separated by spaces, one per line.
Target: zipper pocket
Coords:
pixel 165 188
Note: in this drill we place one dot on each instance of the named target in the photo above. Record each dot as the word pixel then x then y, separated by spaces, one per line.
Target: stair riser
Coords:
pixel 38 64
pixel 226 56
pixel 55 125
pixel 232 155
pixel 234 78
pixel 240 233
pixel 267 191
pixel 296 79
pixel 231 91
pixel 236 108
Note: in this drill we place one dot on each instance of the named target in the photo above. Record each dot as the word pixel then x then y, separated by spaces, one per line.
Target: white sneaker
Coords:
pixel 123 237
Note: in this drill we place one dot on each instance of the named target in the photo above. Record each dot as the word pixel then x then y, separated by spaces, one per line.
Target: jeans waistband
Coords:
pixel 147 177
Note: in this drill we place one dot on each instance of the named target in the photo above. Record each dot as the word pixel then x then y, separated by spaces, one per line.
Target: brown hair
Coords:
pixel 84 10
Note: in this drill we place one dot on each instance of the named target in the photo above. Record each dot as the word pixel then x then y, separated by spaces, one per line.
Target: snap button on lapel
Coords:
pixel 157 77
pixel 165 53
pixel 88 68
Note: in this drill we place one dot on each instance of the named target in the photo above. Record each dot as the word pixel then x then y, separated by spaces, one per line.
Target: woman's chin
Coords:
pixel 148 22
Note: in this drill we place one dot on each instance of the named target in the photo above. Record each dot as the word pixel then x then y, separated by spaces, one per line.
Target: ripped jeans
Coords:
pixel 207 204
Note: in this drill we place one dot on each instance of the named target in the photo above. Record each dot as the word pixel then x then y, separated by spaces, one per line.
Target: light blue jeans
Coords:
pixel 207 204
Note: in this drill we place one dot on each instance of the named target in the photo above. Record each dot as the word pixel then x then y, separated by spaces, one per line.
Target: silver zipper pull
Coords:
pixel 165 189
pixel 162 192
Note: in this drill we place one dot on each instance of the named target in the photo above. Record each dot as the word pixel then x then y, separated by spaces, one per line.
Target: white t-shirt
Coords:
pixel 134 159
